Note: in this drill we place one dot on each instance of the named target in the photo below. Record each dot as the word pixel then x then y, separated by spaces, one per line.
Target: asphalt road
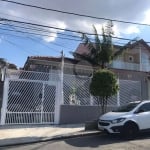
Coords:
pixel 100 142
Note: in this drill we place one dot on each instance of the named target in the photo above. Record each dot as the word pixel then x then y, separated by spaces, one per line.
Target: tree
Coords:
pixel 103 85
pixel 100 51
pixel 12 66
pixel 3 62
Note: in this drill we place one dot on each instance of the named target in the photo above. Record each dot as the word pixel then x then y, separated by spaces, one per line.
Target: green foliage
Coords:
pixel 12 66
pixel 101 50
pixel 2 62
pixel 103 85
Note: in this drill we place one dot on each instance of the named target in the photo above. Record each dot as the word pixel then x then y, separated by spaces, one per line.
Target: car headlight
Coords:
pixel 118 120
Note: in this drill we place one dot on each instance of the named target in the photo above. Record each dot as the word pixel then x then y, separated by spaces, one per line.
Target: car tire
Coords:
pixel 130 131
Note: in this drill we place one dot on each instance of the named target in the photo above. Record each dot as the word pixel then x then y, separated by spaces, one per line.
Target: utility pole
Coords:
pixel 62 76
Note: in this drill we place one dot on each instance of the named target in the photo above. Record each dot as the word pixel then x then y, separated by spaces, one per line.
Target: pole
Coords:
pixel 62 77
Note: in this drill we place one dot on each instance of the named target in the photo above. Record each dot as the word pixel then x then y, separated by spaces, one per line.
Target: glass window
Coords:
pixel 126 108
pixel 145 107
pixel 131 58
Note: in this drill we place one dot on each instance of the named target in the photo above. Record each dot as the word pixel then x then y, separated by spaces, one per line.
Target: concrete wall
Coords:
pixel 78 114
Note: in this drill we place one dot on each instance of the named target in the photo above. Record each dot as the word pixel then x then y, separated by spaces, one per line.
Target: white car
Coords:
pixel 127 120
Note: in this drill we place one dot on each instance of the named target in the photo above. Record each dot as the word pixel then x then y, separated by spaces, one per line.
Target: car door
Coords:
pixel 142 116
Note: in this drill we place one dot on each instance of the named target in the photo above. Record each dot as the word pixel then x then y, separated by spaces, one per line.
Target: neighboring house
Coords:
pixel 131 62
pixel 54 65
pixel 134 55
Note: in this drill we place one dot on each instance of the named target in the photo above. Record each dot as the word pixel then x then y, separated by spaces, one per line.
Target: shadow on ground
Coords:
pixel 99 140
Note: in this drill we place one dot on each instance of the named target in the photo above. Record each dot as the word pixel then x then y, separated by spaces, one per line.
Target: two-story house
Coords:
pixel 135 55
pixel 131 62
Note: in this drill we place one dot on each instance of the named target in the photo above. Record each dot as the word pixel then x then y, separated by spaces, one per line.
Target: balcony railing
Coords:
pixel 130 66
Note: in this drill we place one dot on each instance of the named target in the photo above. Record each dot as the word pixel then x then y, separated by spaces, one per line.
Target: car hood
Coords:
pixel 113 115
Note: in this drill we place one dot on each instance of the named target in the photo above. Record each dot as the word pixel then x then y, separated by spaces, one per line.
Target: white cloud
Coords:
pixel 122 10
pixel 132 29
pixel 53 35
pixel 116 31
pixel 146 19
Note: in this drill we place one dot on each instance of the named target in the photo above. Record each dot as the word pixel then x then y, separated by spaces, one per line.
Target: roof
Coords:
pixel 54 59
pixel 83 49
pixel 132 45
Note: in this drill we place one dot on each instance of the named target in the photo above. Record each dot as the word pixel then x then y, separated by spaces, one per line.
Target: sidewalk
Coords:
pixel 16 135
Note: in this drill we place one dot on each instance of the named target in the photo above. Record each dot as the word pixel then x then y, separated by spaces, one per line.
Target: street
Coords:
pixel 100 142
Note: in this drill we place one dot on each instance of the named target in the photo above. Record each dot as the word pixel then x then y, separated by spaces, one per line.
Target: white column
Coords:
pixel 4 102
pixel 3 70
pixel 91 100
pixel 118 94
pixel 57 104
pixel 42 102
pixel 62 79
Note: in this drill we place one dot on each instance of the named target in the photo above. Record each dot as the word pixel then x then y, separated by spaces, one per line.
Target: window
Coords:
pixel 131 59
pixel 126 108
pixel 145 107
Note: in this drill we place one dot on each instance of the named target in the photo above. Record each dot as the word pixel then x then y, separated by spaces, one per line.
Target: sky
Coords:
pixel 17 42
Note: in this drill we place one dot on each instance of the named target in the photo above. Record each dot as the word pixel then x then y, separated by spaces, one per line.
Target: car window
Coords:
pixel 126 108
pixel 145 107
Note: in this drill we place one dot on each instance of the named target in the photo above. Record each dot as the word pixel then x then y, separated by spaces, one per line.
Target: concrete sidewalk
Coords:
pixel 16 135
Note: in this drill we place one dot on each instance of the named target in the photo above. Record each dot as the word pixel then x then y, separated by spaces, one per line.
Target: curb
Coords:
pixel 54 138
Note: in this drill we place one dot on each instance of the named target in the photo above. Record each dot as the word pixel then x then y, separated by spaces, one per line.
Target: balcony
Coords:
pixel 130 66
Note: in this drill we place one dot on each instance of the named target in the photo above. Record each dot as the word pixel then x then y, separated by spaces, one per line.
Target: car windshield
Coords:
pixel 126 108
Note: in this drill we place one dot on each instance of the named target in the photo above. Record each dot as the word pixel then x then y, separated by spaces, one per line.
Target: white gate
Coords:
pixel 30 98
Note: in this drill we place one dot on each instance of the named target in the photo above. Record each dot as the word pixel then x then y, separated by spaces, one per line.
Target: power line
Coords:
pixel 69 30
pixel 39 30
pixel 53 43
pixel 25 32
pixel 45 26
pixel 39 42
pixel 76 14
pixel 16 45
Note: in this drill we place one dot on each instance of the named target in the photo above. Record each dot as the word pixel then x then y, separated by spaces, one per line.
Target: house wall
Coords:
pixel 135 56
pixel 134 76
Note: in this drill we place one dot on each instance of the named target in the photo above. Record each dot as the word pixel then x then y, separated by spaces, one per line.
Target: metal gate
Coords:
pixel 30 102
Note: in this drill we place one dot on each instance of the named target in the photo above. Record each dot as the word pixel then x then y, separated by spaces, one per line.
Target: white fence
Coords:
pixel 76 92
pixel 30 98
pixel 35 98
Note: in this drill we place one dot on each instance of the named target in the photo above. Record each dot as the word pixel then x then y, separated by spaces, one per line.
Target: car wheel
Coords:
pixel 130 131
